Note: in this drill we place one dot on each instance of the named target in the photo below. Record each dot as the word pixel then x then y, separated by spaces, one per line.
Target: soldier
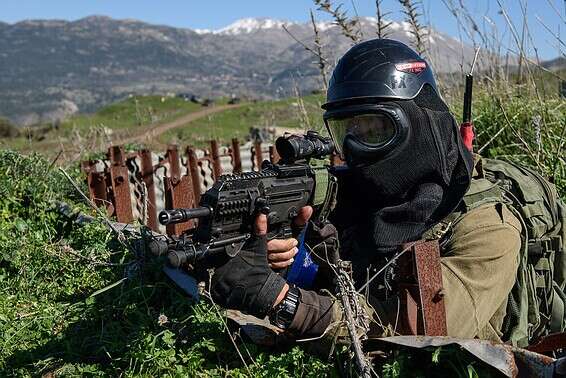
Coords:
pixel 407 174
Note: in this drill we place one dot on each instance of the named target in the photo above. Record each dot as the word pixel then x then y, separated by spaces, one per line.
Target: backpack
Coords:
pixel 536 304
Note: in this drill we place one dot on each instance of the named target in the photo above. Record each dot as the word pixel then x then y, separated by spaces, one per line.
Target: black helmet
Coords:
pixel 378 69
pixel 361 111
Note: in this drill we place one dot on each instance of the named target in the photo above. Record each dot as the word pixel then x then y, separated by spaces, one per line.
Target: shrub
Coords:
pixel 7 130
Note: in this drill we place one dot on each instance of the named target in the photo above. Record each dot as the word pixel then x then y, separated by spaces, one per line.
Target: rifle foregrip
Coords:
pixel 177 258
pixel 158 247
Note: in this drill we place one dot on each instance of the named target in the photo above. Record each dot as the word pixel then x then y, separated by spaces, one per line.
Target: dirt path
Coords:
pixel 153 131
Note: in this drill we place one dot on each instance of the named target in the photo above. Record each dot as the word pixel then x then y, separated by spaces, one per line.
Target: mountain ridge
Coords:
pixel 53 67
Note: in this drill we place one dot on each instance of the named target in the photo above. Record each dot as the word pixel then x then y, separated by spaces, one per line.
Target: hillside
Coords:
pixel 156 121
pixel 116 121
pixel 556 64
pixel 97 60
pixel 283 115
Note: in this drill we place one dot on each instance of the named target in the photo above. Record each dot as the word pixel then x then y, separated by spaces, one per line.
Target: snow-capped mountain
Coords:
pixel 246 26
pixel 252 25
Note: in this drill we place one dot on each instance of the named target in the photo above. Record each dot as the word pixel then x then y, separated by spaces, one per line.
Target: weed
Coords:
pixel 70 306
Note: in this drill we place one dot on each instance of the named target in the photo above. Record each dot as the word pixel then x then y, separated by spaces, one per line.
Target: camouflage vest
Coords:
pixel 536 305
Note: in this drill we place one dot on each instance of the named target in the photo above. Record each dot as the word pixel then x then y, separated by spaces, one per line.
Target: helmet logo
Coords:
pixel 411 67
pixel 398 81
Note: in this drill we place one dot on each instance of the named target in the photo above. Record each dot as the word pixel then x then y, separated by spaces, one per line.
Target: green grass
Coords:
pixel 133 112
pixel 235 123
pixel 126 115
pixel 512 124
pixel 75 302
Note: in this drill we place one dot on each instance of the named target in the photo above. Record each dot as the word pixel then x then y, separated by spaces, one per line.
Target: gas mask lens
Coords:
pixel 374 130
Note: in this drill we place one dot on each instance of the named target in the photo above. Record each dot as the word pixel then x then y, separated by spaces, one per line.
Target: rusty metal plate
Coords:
pixel 411 313
pixel 178 195
pixel 274 155
pixel 236 159
pixel 121 193
pixel 429 278
pixel 97 187
pixel 174 163
pixel 216 164
pixel 258 155
pixel 146 175
pixel 193 169
pixel 120 185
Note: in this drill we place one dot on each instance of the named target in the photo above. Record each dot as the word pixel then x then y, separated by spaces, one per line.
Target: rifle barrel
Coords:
pixel 182 215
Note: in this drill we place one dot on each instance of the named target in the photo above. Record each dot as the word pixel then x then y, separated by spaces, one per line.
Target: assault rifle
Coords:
pixel 227 211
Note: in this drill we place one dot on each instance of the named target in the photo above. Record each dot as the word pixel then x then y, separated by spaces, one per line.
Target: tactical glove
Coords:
pixel 246 282
pixel 322 238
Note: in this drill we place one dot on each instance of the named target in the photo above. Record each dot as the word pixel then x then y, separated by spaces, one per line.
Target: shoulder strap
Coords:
pixel 481 192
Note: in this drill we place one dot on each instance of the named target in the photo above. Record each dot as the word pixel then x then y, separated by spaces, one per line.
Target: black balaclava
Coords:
pixel 398 197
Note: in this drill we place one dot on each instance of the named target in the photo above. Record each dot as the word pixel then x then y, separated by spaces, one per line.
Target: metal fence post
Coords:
pixel 273 155
pixel 193 168
pixel 236 159
pixel 216 164
pixel 120 185
pixel 258 154
pixel 97 188
pixel 178 193
pixel 146 175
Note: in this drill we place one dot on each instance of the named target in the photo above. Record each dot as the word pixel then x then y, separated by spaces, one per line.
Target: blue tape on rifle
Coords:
pixel 303 271
pixel 183 280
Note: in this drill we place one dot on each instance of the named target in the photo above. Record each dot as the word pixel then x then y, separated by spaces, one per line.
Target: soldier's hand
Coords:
pixel 281 252
pixel 245 282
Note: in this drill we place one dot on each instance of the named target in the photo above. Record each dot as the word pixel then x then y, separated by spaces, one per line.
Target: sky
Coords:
pixel 214 14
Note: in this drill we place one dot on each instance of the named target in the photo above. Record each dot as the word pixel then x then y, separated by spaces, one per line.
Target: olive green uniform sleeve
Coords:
pixel 479 268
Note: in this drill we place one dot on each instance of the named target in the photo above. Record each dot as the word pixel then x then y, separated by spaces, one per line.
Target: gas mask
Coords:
pixel 407 166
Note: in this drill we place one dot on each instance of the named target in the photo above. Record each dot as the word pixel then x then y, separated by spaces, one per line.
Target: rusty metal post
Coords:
pixel 273 155
pixel 429 278
pixel 549 343
pixel 120 185
pixel 96 182
pixel 178 193
pixel 421 294
pixel 258 154
pixel 236 159
pixel 174 163
pixel 146 175
pixel 193 168
pixel 216 165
